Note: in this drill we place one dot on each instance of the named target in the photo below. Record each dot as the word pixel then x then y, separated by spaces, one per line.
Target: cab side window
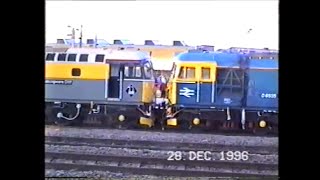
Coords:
pixel 205 73
pixel 133 72
pixel 191 73
pixel 138 73
pixel 128 71
pixel 182 73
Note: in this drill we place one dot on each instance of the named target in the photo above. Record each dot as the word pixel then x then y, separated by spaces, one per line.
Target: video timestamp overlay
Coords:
pixel 208 156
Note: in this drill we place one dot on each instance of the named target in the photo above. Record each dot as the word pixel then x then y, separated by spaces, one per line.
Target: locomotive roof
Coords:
pixel 225 59
pixel 264 63
pixel 112 54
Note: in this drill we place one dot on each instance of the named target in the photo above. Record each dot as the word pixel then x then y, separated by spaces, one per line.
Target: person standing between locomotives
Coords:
pixel 162 83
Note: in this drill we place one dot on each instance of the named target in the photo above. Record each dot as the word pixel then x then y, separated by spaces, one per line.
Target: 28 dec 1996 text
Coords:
pixel 208 156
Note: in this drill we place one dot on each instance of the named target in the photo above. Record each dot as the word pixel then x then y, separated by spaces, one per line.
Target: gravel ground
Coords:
pixel 159 136
pixel 147 136
pixel 180 167
pixel 254 158
pixel 111 175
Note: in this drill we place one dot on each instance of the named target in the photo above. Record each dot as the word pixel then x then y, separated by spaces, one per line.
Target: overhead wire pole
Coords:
pixel 73 34
pixel 80 36
pixel 95 41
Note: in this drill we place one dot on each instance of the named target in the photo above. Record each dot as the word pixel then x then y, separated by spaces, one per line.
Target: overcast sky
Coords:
pixel 220 23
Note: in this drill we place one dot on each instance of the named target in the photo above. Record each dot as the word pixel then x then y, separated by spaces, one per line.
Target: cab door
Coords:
pixel 206 84
pixel 115 82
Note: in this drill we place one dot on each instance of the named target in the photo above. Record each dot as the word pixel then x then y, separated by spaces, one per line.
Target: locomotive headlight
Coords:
pixel 196 121
pixel 262 123
pixel 121 118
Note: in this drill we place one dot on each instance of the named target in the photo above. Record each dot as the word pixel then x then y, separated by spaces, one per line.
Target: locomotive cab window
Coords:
pixel 138 72
pixel 128 71
pixel 205 73
pixel 182 73
pixel 62 57
pixel 83 58
pixel 147 71
pixel 187 73
pixel 76 72
pixel 173 70
pixel 190 73
pixel 133 72
pixel 50 56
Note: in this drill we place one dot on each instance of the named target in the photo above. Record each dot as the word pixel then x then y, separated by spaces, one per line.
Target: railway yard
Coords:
pixel 161 90
pixel 110 153
pixel 118 112
pixel 222 124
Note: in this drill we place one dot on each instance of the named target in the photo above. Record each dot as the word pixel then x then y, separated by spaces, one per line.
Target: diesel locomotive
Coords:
pixel 209 90
pixel 98 85
pixel 224 90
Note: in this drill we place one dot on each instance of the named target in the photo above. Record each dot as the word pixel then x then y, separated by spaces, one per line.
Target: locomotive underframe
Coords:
pixel 93 113
pixel 128 115
pixel 233 118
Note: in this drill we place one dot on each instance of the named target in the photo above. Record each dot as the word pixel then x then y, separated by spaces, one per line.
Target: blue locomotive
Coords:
pixel 224 90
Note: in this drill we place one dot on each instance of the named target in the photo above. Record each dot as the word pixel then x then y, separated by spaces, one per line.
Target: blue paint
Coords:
pixel 186 93
pixel 228 99
pixel 205 93
pixel 262 82
pixel 264 63
pixel 262 89
pixel 187 96
pixel 226 60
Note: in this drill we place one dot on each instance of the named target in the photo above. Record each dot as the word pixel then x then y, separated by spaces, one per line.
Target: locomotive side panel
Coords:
pixel 263 89
pixel 187 94
pixel 207 93
pixel 75 90
pixel 230 87
pixel 76 82
pixel 132 91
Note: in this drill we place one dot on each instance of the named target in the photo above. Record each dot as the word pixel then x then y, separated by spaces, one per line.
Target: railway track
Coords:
pixel 151 158
pixel 153 145
pixel 157 128
pixel 270 143
pixel 195 130
pixel 156 166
